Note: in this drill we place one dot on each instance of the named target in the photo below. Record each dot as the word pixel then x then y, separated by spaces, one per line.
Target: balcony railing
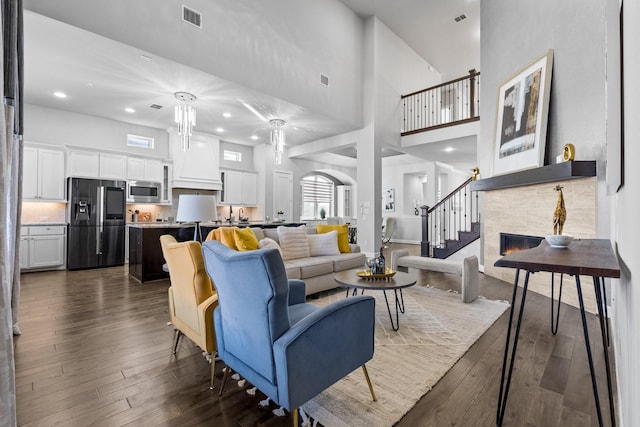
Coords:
pixel 447 104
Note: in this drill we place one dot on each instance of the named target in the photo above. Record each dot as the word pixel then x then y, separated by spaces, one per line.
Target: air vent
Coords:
pixel 324 80
pixel 460 17
pixel 155 106
pixel 191 16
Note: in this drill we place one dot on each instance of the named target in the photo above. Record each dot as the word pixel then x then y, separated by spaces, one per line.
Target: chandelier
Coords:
pixel 277 138
pixel 185 117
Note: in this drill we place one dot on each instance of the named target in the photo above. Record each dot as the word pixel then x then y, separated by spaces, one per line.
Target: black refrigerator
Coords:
pixel 96 223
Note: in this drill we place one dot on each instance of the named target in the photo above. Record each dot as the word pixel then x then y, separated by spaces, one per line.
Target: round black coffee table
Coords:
pixel 350 280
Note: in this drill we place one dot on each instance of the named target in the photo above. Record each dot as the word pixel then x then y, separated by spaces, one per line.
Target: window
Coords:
pixel 317 194
pixel 140 141
pixel 232 156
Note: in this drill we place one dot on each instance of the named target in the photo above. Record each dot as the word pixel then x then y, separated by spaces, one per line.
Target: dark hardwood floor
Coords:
pixel 96 350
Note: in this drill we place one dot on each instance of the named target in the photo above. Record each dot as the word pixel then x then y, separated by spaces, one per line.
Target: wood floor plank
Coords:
pixel 96 349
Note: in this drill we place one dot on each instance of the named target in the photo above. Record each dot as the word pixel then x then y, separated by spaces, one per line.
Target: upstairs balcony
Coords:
pixel 448 104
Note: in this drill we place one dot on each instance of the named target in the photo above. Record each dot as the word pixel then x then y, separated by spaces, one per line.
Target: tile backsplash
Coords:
pixel 33 212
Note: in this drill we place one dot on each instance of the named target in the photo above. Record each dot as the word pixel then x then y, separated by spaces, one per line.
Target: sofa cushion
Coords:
pixel 293 241
pixel 271 233
pixel 346 261
pixel 323 244
pixel 245 239
pixel 343 235
pixel 311 266
pixel 292 270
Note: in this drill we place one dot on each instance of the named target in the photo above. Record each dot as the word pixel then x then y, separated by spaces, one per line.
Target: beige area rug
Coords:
pixel 435 331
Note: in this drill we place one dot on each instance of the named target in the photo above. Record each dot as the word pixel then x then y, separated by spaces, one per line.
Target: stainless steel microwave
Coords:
pixel 144 192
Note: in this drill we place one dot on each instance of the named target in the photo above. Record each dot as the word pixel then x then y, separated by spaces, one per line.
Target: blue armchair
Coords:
pixel 265 331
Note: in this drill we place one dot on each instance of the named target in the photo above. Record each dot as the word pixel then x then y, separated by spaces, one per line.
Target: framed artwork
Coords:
pixel 521 119
pixel 389 200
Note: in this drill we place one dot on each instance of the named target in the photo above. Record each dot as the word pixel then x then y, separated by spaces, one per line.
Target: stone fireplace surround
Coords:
pixel 523 203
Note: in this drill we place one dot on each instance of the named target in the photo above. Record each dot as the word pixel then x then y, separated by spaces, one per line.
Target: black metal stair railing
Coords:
pixel 447 104
pixel 451 224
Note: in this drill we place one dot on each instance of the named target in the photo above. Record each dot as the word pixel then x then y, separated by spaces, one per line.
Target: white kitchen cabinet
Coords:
pixel 139 169
pixel 199 166
pixel 113 166
pixel 97 165
pixel 239 188
pixel 135 169
pixel 43 175
pixel 84 164
pixel 42 247
pixel 249 188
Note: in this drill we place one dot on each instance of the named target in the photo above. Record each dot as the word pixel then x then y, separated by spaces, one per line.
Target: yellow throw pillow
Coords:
pixel 245 239
pixel 343 235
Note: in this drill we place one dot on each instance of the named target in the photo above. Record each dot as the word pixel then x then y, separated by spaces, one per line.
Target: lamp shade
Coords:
pixel 196 208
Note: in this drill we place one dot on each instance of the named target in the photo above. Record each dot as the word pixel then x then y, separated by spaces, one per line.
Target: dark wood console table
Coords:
pixel 587 257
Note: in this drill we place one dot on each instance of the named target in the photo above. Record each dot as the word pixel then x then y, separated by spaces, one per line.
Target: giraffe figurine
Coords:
pixel 560 212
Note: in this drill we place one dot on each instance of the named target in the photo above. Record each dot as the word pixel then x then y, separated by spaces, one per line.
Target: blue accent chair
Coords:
pixel 267 333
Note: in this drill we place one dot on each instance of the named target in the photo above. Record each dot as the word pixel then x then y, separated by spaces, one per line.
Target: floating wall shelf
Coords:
pixel 550 173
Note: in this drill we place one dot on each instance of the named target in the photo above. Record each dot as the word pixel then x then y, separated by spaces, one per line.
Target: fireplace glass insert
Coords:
pixel 517 242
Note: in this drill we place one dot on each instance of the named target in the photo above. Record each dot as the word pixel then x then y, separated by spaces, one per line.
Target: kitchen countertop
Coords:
pixel 30 224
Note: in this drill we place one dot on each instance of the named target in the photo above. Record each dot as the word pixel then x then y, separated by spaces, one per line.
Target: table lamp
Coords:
pixel 196 208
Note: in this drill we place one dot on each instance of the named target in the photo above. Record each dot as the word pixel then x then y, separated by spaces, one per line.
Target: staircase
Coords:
pixel 451 224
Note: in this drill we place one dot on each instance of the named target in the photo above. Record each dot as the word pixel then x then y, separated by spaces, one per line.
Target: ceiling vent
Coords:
pixel 191 16
pixel 324 80
pixel 155 106
pixel 460 17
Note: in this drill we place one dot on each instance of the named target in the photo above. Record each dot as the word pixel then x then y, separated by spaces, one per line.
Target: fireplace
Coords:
pixel 517 242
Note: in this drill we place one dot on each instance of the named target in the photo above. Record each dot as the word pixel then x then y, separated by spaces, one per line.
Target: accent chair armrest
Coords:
pixel 324 347
pixel 297 289
pixel 205 316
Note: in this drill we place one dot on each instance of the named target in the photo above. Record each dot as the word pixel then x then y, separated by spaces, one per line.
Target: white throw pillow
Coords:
pixel 268 243
pixel 293 241
pixel 323 244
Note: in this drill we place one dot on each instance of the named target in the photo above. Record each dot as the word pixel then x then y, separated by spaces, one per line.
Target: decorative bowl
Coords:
pixel 559 240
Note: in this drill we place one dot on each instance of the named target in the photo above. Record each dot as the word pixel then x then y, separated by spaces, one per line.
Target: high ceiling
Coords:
pixel 429 27
pixel 102 77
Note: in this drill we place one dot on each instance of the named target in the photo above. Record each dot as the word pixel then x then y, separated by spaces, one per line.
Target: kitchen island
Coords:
pixel 145 253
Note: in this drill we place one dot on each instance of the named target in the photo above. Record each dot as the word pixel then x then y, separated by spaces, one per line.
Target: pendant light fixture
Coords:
pixel 277 138
pixel 185 117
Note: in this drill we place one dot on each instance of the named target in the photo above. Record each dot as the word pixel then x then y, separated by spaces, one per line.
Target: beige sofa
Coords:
pixel 316 271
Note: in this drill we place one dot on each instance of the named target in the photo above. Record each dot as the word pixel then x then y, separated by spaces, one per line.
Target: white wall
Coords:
pixel 512 35
pixel 585 43
pixel 246 152
pixel 288 41
pixel 398 70
pixel 624 225
pixel 58 127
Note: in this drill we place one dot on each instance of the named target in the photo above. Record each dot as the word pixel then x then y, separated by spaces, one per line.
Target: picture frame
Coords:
pixel 521 119
pixel 389 200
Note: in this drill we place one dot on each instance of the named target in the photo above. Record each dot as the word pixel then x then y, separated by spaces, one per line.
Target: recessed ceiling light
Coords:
pixel 59 94
pixel 227 115
pixel 219 130
pixel 449 149
pixel 254 137
pixel 129 110
pixel 145 57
